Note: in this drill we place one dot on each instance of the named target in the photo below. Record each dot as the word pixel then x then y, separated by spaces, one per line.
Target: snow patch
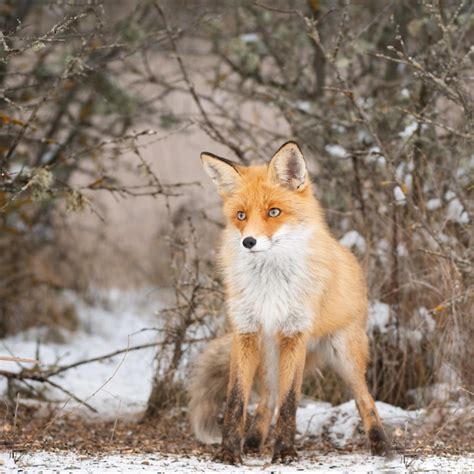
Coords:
pixel 425 319
pixel 448 195
pixel 379 317
pixel 303 105
pixel 338 128
pixel 374 155
pixel 409 130
pixel 363 136
pixel 382 249
pixel 249 37
pixel 353 239
pixel 341 422
pixel 334 462
pixel 7 462
pixel 405 93
pixel 438 392
pixel 117 385
pixel 336 150
pixel 433 204
pixel 399 195
pixel 365 102
pixel 456 212
pixel 402 250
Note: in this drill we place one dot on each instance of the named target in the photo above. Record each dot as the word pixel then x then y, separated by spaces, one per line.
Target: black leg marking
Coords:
pixel 379 445
pixel 284 449
pixel 254 437
pixel 230 450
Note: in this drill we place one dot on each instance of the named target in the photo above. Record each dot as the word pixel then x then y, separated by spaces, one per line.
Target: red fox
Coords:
pixel 296 297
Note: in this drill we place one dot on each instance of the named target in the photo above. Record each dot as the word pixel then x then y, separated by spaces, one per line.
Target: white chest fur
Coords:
pixel 271 290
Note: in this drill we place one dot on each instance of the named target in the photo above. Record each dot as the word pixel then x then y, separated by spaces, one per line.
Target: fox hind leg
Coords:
pixel 347 353
pixel 267 388
pixel 291 367
pixel 260 424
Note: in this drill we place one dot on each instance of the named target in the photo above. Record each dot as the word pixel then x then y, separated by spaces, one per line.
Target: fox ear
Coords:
pixel 223 172
pixel 287 167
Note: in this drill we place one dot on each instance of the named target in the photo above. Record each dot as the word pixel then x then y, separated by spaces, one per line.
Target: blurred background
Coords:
pixel 106 214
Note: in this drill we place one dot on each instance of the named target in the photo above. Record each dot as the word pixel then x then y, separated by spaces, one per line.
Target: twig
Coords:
pixel 19 359
pixel 102 357
pixel 17 404
pixel 70 394
pixel 116 421
pixel 447 257
pixel 217 134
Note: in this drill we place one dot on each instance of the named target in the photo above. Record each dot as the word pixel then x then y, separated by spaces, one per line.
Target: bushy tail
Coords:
pixel 207 389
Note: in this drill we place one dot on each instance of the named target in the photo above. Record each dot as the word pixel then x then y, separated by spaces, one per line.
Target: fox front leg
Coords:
pixel 292 360
pixel 243 364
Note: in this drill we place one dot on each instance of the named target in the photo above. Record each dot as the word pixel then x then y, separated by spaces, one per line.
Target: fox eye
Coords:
pixel 274 212
pixel 241 216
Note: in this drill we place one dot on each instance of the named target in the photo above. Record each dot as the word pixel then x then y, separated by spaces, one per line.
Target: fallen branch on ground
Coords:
pixel 19 359
pixel 44 375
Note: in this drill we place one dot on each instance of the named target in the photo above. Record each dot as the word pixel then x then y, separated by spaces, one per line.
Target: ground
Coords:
pixel 40 461
pixel 38 435
pixel 59 441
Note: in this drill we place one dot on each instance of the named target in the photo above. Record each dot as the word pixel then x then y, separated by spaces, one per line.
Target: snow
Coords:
pixel 119 384
pixel 399 195
pixel 338 128
pixel 353 239
pixel 365 102
pixel 421 325
pixel 336 150
pixel 6 461
pixel 438 392
pixel 426 320
pixel 409 130
pixel 449 195
pixel 409 339
pixel 303 105
pixel 379 317
pixel 400 171
pixel 341 422
pixel 433 204
pixel 249 37
pixel 42 462
pixel 363 136
pixel 402 250
pixel 405 93
pixel 382 248
pixel 456 213
pixel 374 155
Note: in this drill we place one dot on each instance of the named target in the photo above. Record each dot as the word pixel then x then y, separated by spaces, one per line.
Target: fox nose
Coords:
pixel 249 242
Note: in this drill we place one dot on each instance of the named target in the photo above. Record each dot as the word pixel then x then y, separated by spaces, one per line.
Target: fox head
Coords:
pixel 267 205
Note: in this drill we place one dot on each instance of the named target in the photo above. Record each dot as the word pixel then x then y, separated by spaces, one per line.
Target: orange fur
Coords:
pixel 333 293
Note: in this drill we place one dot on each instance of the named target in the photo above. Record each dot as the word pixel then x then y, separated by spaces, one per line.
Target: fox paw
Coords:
pixel 285 455
pixel 379 445
pixel 226 456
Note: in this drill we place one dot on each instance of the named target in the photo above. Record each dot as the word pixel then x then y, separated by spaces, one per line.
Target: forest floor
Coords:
pixel 50 431
pixel 55 442
pixel 40 444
